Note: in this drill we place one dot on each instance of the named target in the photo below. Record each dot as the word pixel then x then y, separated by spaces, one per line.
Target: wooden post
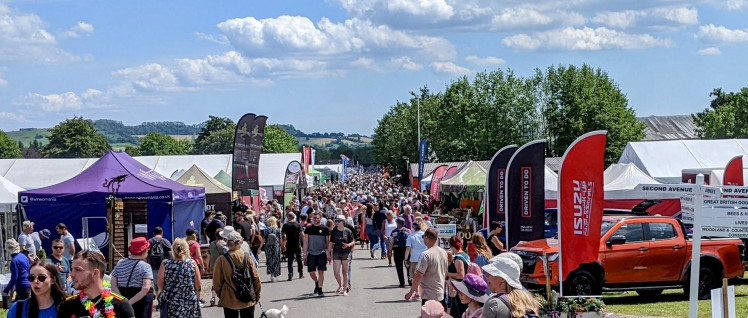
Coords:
pixel 547 273
pixel 725 307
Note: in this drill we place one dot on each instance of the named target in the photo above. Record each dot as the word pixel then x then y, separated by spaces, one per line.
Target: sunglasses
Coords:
pixel 33 278
pixel 58 247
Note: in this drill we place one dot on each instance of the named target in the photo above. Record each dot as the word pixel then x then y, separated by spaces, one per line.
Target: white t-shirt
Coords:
pixel 26 240
pixel 417 246
pixel 389 227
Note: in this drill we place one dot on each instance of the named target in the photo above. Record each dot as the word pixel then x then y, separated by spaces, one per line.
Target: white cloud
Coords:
pixel 449 68
pixel 729 4
pixel 80 29
pixel 405 63
pixel 662 17
pixel 12 116
pixel 710 51
pixel 150 77
pixel 435 9
pixel 300 36
pixel 365 63
pixel 513 18
pixel 488 60
pixel 53 102
pixel 585 39
pixel 720 34
pixel 221 39
pixel 24 38
pixel 3 82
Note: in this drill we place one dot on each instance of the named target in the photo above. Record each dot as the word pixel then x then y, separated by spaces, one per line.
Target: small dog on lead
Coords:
pixel 276 313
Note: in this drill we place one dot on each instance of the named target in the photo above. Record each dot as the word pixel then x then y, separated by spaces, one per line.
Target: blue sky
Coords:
pixel 338 65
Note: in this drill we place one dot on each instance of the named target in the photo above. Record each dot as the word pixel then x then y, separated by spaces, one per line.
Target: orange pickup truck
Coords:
pixel 642 253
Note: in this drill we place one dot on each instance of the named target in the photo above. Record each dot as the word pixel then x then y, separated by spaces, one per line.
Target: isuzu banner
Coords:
pixel 257 136
pixel 436 178
pixel 734 172
pixel 525 194
pixel 240 164
pixel 495 191
pixel 580 201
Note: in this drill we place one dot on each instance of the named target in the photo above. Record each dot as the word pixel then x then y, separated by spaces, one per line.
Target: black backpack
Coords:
pixel 243 279
pixel 401 238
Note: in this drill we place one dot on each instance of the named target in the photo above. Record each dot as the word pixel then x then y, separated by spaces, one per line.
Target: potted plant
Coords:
pixel 581 307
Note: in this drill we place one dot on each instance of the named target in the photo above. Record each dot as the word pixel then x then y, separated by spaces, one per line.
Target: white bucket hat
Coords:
pixel 230 234
pixel 506 269
pixel 510 255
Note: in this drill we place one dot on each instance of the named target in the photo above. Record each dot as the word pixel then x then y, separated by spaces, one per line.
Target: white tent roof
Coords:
pixel 8 191
pixel 625 176
pixel 551 184
pixel 37 173
pixel 665 160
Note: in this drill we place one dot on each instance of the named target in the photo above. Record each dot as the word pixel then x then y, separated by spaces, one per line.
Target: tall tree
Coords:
pixel 277 140
pixel 8 147
pixel 216 136
pixel 727 116
pixel 75 138
pixel 576 100
pixel 156 144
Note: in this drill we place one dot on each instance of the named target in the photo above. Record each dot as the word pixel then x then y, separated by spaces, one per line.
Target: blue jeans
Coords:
pixel 373 237
pixel 382 242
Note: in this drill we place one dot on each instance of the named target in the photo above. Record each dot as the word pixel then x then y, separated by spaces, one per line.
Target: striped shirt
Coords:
pixel 141 271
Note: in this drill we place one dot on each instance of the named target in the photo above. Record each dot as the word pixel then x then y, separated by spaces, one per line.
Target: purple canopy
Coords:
pixel 140 183
pixel 81 201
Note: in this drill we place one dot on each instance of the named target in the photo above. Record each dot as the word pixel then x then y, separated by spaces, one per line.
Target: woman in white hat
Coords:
pixel 508 299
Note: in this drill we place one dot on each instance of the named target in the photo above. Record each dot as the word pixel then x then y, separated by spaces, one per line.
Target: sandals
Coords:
pixel 340 290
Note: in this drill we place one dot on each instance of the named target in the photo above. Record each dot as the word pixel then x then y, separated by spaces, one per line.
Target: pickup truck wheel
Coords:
pixel 708 280
pixel 583 283
pixel 649 293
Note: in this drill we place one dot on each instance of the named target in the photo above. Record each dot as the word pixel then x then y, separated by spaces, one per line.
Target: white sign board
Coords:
pixel 446 230
pixel 679 188
pixel 718 303
pixel 727 202
pixel 732 190
pixel 724 222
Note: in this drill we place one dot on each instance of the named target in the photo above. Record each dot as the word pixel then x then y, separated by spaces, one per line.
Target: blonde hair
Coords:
pixel 521 302
pixel 180 249
pixel 480 245
pixel 272 222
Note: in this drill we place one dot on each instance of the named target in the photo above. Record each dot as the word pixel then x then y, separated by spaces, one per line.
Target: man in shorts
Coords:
pixel 316 251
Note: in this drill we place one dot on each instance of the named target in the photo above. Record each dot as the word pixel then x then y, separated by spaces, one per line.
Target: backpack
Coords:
pixel 401 238
pixel 505 299
pixel 157 250
pixel 243 280
pixel 475 269
pixel 272 238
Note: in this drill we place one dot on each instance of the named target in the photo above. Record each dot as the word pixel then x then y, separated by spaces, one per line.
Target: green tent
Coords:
pixel 224 178
pixel 319 174
pixel 470 179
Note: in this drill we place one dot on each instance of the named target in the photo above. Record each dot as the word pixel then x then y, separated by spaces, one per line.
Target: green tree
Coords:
pixel 133 151
pixel 8 147
pixel 277 140
pixel 216 136
pixel 727 116
pixel 156 144
pixel 576 100
pixel 75 138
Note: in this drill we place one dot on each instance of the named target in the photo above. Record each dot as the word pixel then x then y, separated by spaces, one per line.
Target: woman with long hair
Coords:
pixel 46 293
pixel 273 248
pixel 508 300
pixel 456 272
pixel 373 238
pixel 389 226
pixel 179 280
pixel 362 224
pixel 482 249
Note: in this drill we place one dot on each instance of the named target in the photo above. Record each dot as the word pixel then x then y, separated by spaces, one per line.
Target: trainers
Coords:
pixel 316 288
pixel 319 292
pixel 290 278
pixel 372 253
pixel 301 276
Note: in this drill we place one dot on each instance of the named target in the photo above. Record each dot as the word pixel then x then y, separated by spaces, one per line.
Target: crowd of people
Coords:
pixel 318 229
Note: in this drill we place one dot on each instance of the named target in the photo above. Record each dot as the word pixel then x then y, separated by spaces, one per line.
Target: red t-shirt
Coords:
pixel 195 252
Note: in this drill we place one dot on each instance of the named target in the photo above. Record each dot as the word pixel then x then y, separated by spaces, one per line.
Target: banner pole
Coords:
pixel 693 305
pixel 725 307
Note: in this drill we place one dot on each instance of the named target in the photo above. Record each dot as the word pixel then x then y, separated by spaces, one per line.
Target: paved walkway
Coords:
pixel 375 293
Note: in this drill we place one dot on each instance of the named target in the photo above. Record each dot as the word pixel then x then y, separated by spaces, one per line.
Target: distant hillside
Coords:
pixel 120 135
pixel 327 140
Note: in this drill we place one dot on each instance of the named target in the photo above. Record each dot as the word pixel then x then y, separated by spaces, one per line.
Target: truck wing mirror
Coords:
pixel 616 240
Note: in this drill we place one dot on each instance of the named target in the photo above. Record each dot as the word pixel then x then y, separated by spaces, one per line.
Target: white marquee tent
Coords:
pixel 665 160
pixel 38 173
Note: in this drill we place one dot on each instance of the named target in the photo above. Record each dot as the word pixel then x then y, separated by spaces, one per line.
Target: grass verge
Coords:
pixel 672 303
